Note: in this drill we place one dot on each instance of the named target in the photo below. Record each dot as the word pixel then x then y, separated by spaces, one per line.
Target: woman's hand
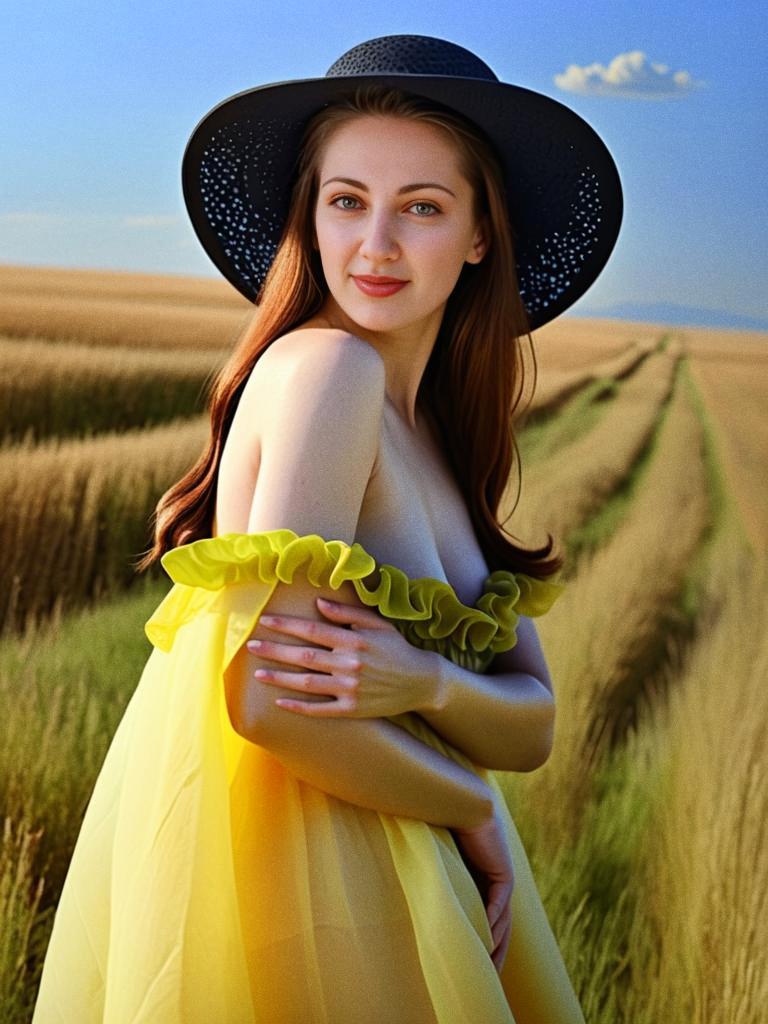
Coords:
pixel 371 669
pixel 489 858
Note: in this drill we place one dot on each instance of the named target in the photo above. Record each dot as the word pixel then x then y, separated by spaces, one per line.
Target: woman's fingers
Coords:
pixel 501 948
pixel 497 929
pixel 499 895
pixel 368 618
pixel 317 631
pixel 307 682
pixel 341 707
pixel 500 919
pixel 318 659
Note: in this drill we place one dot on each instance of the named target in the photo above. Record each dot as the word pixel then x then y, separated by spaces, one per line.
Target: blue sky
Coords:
pixel 100 99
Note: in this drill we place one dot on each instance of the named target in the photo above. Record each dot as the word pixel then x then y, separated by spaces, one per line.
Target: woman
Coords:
pixel 296 820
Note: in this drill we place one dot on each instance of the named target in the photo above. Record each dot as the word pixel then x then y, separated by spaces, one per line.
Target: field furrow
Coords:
pixel 618 633
pixel 560 385
pixel 606 635
pixel 563 490
pixel 573 342
pixel 734 392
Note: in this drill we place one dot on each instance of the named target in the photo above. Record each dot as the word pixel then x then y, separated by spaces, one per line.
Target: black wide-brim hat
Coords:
pixel 562 185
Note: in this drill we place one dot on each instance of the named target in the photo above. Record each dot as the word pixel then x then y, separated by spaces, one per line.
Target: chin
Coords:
pixel 381 322
pixel 372 319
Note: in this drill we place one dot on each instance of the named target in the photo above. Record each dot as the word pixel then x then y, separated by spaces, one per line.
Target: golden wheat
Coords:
pixel 171 289
pixel 706 864
pixel 650 851
pixel 114 322
pixel 560 492
pixel 60 389
pixel 74 511
pixel 611 611
pixel 734 387
pixel 572 343
pixel 20 893
pixel 556 386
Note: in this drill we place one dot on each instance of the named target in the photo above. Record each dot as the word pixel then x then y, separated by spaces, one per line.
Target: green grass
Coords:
pixel 63 691
pixel 547 433
pixel 557 426
pixel 601 930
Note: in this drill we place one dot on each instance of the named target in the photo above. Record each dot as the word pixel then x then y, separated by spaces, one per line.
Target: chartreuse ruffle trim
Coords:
pixel 427 611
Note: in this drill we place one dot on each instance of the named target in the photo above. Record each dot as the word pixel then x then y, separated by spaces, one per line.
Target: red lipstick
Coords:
pixel 378 285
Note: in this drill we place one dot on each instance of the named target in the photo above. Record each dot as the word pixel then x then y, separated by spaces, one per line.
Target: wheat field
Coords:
pixel 645 452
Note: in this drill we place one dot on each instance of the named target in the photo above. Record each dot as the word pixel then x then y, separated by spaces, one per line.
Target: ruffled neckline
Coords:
pixel 425 609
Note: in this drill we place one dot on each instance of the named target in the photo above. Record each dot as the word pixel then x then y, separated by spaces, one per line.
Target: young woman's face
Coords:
pixel 393 203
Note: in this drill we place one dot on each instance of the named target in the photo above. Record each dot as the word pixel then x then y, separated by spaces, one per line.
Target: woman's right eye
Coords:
pixel 344 199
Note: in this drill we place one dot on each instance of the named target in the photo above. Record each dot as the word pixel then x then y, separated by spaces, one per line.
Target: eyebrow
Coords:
pixel 401 191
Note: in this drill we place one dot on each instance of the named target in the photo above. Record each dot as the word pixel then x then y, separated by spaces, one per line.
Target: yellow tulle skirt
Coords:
pixel 209 885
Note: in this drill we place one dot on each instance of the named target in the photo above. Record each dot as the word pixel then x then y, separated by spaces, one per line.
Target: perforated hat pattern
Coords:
pixel 563 190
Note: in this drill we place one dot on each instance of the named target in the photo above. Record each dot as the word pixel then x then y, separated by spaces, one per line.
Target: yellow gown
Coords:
pixel 209 885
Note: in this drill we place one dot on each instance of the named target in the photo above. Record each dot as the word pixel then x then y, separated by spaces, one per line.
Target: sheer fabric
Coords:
pixel 208 883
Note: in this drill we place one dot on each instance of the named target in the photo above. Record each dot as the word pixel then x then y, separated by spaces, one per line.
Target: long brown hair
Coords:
pixel 473 381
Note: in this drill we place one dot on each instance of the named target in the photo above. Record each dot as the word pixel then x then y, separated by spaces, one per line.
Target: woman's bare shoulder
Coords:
pixel 318 344
pixel 307 363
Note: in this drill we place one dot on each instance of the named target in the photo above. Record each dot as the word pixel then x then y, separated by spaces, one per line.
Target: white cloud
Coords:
pixel 628 74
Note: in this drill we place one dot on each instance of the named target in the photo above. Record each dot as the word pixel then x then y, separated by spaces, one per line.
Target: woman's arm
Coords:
pixel 503 720
pixel 371 762
pixel 313 408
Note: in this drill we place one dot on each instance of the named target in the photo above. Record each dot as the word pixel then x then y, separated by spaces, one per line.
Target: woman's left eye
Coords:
pixel 344 199
pixel 430 206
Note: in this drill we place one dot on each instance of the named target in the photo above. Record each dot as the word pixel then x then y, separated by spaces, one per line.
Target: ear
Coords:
pixel 479 245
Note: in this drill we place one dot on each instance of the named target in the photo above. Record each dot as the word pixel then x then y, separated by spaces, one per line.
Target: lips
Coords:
pixel 374 279
pixel 378 287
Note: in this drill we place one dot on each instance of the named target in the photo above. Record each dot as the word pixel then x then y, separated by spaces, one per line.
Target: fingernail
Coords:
pixel 324 600
pixel 254 643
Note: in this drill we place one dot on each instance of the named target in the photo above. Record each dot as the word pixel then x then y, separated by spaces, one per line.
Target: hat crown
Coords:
pixel 410 55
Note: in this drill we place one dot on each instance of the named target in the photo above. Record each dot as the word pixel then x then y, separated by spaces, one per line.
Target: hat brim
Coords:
pixel 562 185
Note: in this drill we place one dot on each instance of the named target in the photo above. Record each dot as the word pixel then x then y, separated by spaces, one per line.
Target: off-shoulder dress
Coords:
pixel 209 885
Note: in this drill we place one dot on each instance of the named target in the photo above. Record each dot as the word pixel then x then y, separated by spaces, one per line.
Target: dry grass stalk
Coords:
pixel 706 861
pixel 20 893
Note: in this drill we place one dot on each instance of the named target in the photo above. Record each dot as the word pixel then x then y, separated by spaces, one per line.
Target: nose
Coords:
pixel 378 241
